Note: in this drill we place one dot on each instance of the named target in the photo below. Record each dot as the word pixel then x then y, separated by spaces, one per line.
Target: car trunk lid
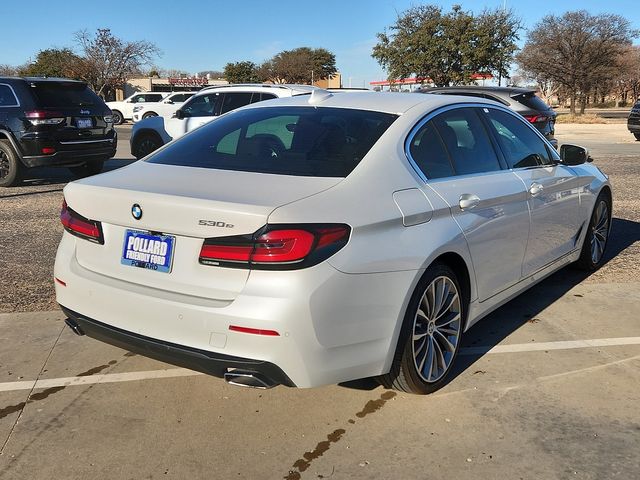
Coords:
pixel 185 203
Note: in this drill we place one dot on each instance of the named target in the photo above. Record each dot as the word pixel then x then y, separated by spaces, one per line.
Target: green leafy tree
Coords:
pixel 54 62
pixel 577 51
pixel 300 65
pixel 448 48
pixel 241 72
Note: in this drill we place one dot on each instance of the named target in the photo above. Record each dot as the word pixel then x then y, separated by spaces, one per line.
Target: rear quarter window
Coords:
pixel 303 141
pixel 532 101
pixel 7 98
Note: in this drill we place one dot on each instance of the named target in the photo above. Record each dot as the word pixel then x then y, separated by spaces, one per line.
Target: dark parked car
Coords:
pixel 52 122
pixel 522 100
pixel 633 122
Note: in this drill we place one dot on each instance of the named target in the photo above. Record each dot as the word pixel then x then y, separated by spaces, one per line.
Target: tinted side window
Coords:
pixel 235 100
pixel 520 145
pixel 202 106
pixel 467 141
pixel 7 98
pixel 138 99
pixel 429 153
pixel 153 97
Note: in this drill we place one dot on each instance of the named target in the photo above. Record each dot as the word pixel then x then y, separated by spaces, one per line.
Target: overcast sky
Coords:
pixel 197 36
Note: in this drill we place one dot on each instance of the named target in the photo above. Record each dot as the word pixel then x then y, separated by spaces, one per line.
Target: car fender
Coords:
pixel 155 124
pixel 7 133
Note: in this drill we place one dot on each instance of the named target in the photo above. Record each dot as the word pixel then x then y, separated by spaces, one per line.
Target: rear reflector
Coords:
pixel 60 281
pixel 48 150
pixel 254 331
pixel 82 227
pixel 279 247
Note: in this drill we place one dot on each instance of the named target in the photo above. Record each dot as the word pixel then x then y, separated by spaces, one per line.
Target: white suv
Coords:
pixel 124 110
pixel 166 108
pixel 150 134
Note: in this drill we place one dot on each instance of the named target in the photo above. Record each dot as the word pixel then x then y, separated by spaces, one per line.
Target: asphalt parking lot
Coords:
pixel 546 387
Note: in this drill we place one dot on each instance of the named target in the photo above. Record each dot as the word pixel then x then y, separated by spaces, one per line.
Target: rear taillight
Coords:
pixel 44 117
pixel 82 227
pixel 277 247
pixel 536 118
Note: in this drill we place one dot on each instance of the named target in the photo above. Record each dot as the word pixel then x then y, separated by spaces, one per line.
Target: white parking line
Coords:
pixel 563 345
pixel 93 379
pixel 183 372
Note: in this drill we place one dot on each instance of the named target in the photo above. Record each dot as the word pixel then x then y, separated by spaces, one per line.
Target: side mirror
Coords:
pixel 179 114
pixel 574 155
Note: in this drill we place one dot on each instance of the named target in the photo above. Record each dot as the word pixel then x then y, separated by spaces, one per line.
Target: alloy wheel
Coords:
pixel 5 166
pixel 436 329
pixel 599 231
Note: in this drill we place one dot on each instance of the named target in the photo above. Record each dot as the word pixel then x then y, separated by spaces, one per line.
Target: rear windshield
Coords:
pixel 532 101
pixel 304 141
pixel 61 94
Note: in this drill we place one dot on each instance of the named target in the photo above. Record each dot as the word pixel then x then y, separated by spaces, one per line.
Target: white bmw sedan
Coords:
pixel 323 238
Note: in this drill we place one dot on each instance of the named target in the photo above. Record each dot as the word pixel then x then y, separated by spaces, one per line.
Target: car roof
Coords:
pixel 386 102
pixel 240 87
pixel 43 80
pixel 478 88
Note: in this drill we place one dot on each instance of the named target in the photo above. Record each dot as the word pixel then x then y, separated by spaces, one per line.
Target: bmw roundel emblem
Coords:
pixel 136 211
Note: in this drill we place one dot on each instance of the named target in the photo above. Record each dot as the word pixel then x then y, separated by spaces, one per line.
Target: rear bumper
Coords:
pixel 70 157
pixel 66 153
pixel 332 326
pixel 204 361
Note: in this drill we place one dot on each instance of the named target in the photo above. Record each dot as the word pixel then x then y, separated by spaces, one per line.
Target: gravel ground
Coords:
pixel 30 229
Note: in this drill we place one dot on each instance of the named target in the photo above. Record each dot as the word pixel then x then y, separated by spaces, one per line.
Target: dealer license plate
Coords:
pixel 144 250
pixel 84 123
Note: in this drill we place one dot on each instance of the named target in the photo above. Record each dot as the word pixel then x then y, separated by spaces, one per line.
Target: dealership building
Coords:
pixel 186 84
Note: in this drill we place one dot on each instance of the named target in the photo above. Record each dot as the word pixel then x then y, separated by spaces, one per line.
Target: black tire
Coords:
pixel 597 236
pixel 637 135
pixel 118 119
pixel 11 168
pixel 149 115
pixel 406 375
pixel 145 143
pixel 88 169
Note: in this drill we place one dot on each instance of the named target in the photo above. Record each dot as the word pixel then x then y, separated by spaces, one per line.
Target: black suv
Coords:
pixel 52 122
pixel 633 122
pixel 522 100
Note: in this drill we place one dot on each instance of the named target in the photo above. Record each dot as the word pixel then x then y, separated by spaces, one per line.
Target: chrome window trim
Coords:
pixel 14 96
pixel 414 130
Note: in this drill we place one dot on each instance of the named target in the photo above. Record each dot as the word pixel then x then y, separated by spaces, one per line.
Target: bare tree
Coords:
pixel 109 61
pixel 576 51
pixel 8 70
pixel 628 81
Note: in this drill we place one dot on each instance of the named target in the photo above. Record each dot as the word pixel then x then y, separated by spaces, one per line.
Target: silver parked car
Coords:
pixel 327 237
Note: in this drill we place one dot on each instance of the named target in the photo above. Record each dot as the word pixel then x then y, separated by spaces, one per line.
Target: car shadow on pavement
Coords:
pixel 497 326
pixel 61 175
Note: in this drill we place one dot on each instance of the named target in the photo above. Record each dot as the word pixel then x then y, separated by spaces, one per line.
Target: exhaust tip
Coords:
pixel 74 327
pixel 248 379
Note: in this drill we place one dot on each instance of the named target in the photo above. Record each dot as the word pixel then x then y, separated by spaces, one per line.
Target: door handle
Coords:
pixel 535 189
pixel 467 201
